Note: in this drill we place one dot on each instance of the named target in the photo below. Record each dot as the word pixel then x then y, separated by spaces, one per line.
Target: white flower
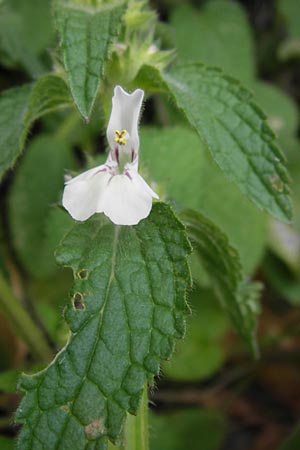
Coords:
pixel 114 188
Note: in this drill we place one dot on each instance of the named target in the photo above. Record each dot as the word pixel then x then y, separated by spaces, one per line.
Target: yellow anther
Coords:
pixel 120 139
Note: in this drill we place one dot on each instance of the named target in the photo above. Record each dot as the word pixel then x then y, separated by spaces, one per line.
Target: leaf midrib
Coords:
pixel 101 314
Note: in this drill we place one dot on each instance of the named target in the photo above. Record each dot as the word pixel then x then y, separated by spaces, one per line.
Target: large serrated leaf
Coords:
pixel 127 307
pixel 19 107
pixel 233 129
pixel 222 263
pixel 86 34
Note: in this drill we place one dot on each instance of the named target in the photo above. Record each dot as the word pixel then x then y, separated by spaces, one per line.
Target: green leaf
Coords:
pixel 37 187
pixel 232 128
pixel 19 107
pixel 201 353
pixel 170 157
pixel 248 297
pixel 281 110
pixel 289 48
pixel 245 226
pixel 127 307
pixel 219 35
pixel 222 263
pixel 86 35
pixel 25 33
pixel 13 108
pixel 188 429
pixel 37 25
pixel 290 11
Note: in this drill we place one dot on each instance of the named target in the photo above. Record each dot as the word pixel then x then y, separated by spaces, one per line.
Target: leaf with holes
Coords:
pixel 128 306
pixel 86 35
pixel 222 264
pixel 19 107
pixel 232 128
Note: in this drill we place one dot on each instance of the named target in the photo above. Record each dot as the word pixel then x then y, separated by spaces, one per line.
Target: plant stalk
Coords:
pixel 136 433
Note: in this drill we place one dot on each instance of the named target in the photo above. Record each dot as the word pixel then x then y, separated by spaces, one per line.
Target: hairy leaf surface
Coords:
pixel 126 309
pixel 222 263
pixel 86 35
pixel 19 107
pixel 233 129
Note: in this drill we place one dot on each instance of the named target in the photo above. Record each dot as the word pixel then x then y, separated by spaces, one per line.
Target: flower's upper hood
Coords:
pixel 125 116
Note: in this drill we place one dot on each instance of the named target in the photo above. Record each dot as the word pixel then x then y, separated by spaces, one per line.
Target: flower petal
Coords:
pixel 86 175
pixel 127 200
pixel 83 195
pixel 140 181
pixel 125 116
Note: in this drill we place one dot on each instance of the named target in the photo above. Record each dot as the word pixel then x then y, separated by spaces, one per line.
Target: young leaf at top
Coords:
pixel 233 129
pixel 127 307
pixel 86 35
pixel 19 107
pixel 222 264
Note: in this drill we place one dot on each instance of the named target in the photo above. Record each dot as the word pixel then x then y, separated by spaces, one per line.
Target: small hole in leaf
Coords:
pixel 82 274
pixel 65 408
pixel 78 301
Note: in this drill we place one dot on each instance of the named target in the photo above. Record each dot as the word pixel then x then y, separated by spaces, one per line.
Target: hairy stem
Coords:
pixel 22 323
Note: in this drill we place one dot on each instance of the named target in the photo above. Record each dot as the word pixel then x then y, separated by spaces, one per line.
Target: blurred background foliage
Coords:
pixel 212 395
